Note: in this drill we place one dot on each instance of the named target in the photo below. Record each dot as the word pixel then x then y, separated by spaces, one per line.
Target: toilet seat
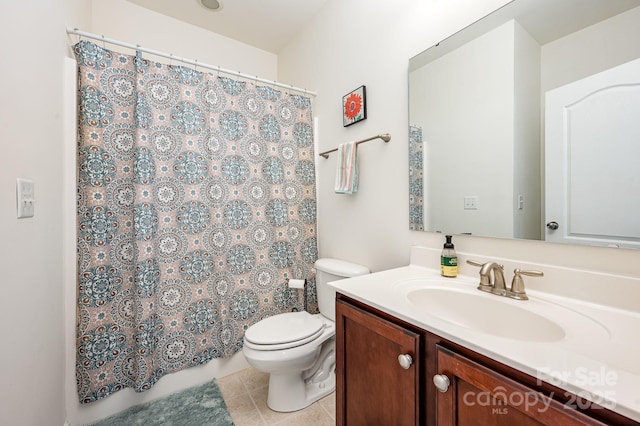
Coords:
pixel 284 331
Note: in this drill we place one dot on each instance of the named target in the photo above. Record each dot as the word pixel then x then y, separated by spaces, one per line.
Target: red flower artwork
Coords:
pixel 354 107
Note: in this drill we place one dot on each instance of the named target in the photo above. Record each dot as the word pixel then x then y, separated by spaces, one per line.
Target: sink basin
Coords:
pixel 435 302
pixel 486 313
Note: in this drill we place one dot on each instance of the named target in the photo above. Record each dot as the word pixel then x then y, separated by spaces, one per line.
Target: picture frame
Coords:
pixel 354 106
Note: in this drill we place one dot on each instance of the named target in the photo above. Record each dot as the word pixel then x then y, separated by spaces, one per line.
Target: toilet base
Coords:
pixel 298 376
pixel 288 392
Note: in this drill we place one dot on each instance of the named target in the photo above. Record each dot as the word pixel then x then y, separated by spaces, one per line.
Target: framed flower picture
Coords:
pixel 354 106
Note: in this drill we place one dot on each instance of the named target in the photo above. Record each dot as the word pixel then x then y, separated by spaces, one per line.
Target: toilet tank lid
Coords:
pixel 340 267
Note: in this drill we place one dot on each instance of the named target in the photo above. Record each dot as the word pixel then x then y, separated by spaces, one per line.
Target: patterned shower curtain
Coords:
pixel 416 179
pixel 196 203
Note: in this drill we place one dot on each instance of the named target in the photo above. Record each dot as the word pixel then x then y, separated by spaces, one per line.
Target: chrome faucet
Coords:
pixel 492 280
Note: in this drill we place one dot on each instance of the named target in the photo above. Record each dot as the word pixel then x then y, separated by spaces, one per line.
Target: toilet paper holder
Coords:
pixel 295 283
pixel 299 284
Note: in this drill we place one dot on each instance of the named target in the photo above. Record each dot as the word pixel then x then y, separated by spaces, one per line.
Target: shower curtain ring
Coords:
pixel 196 64
pixel 103 45
pixel 171 59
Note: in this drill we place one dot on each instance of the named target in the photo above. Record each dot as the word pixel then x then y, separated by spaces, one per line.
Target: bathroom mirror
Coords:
pixel 524 125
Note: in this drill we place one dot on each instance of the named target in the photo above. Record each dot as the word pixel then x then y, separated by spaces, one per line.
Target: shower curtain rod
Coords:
pixel 188 61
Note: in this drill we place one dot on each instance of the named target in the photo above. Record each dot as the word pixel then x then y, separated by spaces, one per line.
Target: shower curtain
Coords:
pixel 416 179
pixel 196 203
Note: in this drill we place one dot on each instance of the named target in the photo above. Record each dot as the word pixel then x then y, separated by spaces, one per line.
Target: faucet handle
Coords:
pixel 517 285
pixel 474 263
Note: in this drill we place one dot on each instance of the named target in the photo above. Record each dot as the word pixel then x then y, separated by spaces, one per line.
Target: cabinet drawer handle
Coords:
pixel 442 382
pixel 405 361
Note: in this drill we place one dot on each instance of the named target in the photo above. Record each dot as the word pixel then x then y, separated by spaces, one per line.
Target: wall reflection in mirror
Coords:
pixel 525 125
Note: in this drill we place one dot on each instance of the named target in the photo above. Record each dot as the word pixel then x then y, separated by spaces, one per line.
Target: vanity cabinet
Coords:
pixel 373 385
pixel 373 388
pixel 472 394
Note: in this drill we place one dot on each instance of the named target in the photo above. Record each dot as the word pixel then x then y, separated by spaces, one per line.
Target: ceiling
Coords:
pixel 267 25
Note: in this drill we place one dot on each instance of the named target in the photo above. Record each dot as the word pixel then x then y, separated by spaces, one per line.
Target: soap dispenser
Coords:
pixel 448 259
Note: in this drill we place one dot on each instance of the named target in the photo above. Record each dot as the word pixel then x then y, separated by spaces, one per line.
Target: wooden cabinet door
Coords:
pixel 372 388
pixel 479 396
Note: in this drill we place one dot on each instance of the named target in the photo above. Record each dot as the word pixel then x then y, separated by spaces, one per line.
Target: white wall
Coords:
pixel 591 50
pixel 527 129
pixel 31 302
pixel 126 21
pixel 369 42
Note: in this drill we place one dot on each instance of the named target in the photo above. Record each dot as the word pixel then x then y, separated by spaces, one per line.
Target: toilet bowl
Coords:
pixel 297 349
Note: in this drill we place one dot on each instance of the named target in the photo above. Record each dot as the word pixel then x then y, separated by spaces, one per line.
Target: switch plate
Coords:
pixel 471 202
pixel 520 202
pixel 25 199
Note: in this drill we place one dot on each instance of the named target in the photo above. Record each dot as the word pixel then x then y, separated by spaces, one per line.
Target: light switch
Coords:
pixel 25 198
pixel 471 202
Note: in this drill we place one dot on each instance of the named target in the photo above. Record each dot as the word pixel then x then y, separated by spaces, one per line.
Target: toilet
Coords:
pixel 297 349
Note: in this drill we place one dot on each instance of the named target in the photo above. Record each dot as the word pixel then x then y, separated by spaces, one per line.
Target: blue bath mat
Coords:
pixel 197 406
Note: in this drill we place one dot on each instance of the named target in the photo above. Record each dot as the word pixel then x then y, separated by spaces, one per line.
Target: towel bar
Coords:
pixel 386 137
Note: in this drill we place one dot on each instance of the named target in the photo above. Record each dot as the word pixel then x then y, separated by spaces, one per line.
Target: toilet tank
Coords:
pixel 328 270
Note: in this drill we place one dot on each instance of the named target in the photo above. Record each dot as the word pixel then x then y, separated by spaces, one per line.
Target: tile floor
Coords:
pixel 245 394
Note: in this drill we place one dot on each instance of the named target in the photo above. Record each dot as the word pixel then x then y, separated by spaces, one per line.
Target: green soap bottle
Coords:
pixel 448 260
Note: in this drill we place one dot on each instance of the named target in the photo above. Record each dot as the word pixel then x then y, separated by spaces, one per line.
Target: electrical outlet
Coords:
pixel 25 199
pixel 471 202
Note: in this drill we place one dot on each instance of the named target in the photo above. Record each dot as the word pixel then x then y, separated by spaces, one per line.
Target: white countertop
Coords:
pixel 599 360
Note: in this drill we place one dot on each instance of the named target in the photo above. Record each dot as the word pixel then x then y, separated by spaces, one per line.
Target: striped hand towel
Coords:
pixel 347 168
